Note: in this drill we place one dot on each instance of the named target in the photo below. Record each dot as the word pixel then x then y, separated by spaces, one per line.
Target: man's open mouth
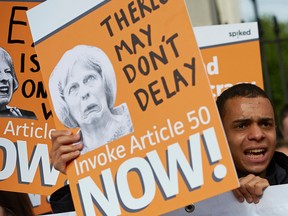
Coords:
pixel 255 153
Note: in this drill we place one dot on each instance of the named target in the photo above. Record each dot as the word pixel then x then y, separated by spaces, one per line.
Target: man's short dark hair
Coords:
pixel 245 90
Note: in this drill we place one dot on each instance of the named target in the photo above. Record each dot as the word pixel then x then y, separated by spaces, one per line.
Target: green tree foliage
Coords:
pixel 274 44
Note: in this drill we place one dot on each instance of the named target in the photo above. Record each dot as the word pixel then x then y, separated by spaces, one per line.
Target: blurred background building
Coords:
pixel 212 12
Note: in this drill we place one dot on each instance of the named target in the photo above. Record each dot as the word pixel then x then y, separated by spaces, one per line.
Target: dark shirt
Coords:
pixel 277 171
pixel 61 200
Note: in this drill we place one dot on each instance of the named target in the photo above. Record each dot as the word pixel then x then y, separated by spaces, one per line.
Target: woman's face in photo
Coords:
pixel 6 83
pixel 85 95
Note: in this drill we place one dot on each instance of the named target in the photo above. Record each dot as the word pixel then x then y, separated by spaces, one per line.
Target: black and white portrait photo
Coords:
pixel 8 85
pixel 83 92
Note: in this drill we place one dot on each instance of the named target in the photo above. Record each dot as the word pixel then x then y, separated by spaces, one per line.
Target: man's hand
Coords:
pixel 251 188
pixel 64 148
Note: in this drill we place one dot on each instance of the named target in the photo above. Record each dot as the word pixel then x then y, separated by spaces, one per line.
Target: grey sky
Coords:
pixel 265 7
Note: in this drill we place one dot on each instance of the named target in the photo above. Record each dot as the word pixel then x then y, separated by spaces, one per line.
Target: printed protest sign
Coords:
pixel 168 149
pixel 26 116
pixel 231 54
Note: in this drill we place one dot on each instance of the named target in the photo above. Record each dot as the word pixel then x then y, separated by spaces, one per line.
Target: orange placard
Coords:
pixel 26 116
pixel 174 151
pixel 40 204
pixel 231 56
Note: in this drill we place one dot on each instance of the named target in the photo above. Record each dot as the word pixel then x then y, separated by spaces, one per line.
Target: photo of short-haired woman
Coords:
pixel 8 85
pixel 83 92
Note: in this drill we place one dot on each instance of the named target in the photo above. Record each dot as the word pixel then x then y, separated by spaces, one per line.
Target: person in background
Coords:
pixel 282 144
pixel 248 119
pixel 15 204
pixel 283 122
pixel 8 85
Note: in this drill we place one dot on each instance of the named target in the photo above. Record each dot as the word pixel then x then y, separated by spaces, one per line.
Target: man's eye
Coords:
pixel 241 126
pixel 266 124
